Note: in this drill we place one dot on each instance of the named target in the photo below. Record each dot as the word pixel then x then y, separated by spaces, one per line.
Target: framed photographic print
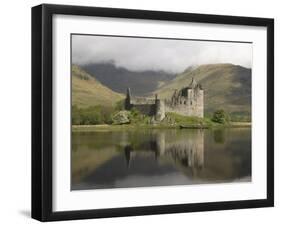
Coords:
pixel 145 112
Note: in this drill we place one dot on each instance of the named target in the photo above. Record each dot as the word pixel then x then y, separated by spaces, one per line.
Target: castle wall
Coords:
pixel 156 109
pixel 143 105
pixel 146 109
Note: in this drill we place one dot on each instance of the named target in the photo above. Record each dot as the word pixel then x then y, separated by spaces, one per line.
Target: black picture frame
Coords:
pixel 42 107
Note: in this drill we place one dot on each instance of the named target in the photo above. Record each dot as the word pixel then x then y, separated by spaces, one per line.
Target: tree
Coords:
pixel 220 116
pixel 120 105
pixel 91 115
pixel 76 115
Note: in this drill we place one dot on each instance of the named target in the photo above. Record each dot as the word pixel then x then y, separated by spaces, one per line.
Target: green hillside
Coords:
pixel 226 86
pixel 87 91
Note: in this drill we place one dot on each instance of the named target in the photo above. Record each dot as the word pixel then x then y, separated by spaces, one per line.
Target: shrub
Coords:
pixel 76 116
pixel 120 105
pixel 136 117
pixel 92 115
pixel 220 116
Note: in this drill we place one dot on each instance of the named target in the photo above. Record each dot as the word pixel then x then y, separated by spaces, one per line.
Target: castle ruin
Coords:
pixel 188 101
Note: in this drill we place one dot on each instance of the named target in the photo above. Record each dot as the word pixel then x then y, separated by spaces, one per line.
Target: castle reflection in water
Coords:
pixel 183 151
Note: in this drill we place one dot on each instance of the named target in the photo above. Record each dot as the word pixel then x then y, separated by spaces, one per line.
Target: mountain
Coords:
pixel 119 79
pixel 226 86
pixel 87 91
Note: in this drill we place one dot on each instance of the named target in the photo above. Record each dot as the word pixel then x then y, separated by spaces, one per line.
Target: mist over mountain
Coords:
pixel 119 79
pixel 153 54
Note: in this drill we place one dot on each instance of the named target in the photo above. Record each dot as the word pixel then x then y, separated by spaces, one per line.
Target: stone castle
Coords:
pixel 188 101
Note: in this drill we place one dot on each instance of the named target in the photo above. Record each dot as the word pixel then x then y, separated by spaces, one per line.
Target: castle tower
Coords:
pixel 128 99
pixel 195 99
pixel 159 109
pixel 188 101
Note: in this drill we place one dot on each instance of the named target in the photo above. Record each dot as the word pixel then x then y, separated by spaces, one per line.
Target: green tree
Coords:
pixel 135 116
pixel 120 105
pixel 220 116
pixel 76 116
pixel 92 115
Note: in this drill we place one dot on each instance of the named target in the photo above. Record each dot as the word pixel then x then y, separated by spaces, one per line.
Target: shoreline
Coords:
pixel 107 127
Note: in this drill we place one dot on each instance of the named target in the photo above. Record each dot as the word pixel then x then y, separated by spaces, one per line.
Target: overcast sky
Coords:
pixel 139 54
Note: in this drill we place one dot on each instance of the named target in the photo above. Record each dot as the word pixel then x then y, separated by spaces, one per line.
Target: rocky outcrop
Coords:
pixel 122 117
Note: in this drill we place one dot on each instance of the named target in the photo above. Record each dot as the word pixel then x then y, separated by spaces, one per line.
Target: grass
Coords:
pixel 172 121
pixel 177 119
pixel 87 91
pixel 106 127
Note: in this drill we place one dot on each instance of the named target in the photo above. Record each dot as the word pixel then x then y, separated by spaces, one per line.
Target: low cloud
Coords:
pixel 139 54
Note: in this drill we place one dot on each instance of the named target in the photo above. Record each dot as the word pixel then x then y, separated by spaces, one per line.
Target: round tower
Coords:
pixel 128 99
pixel 159 109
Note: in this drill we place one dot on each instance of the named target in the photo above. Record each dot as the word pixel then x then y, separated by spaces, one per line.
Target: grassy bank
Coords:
pixel 106 127
pixel 135 120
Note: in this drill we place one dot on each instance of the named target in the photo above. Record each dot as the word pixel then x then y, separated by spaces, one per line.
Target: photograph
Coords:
pixel 154 111
pixel 145 112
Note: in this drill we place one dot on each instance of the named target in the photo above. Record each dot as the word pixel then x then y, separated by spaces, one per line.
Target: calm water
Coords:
pixel 120 159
